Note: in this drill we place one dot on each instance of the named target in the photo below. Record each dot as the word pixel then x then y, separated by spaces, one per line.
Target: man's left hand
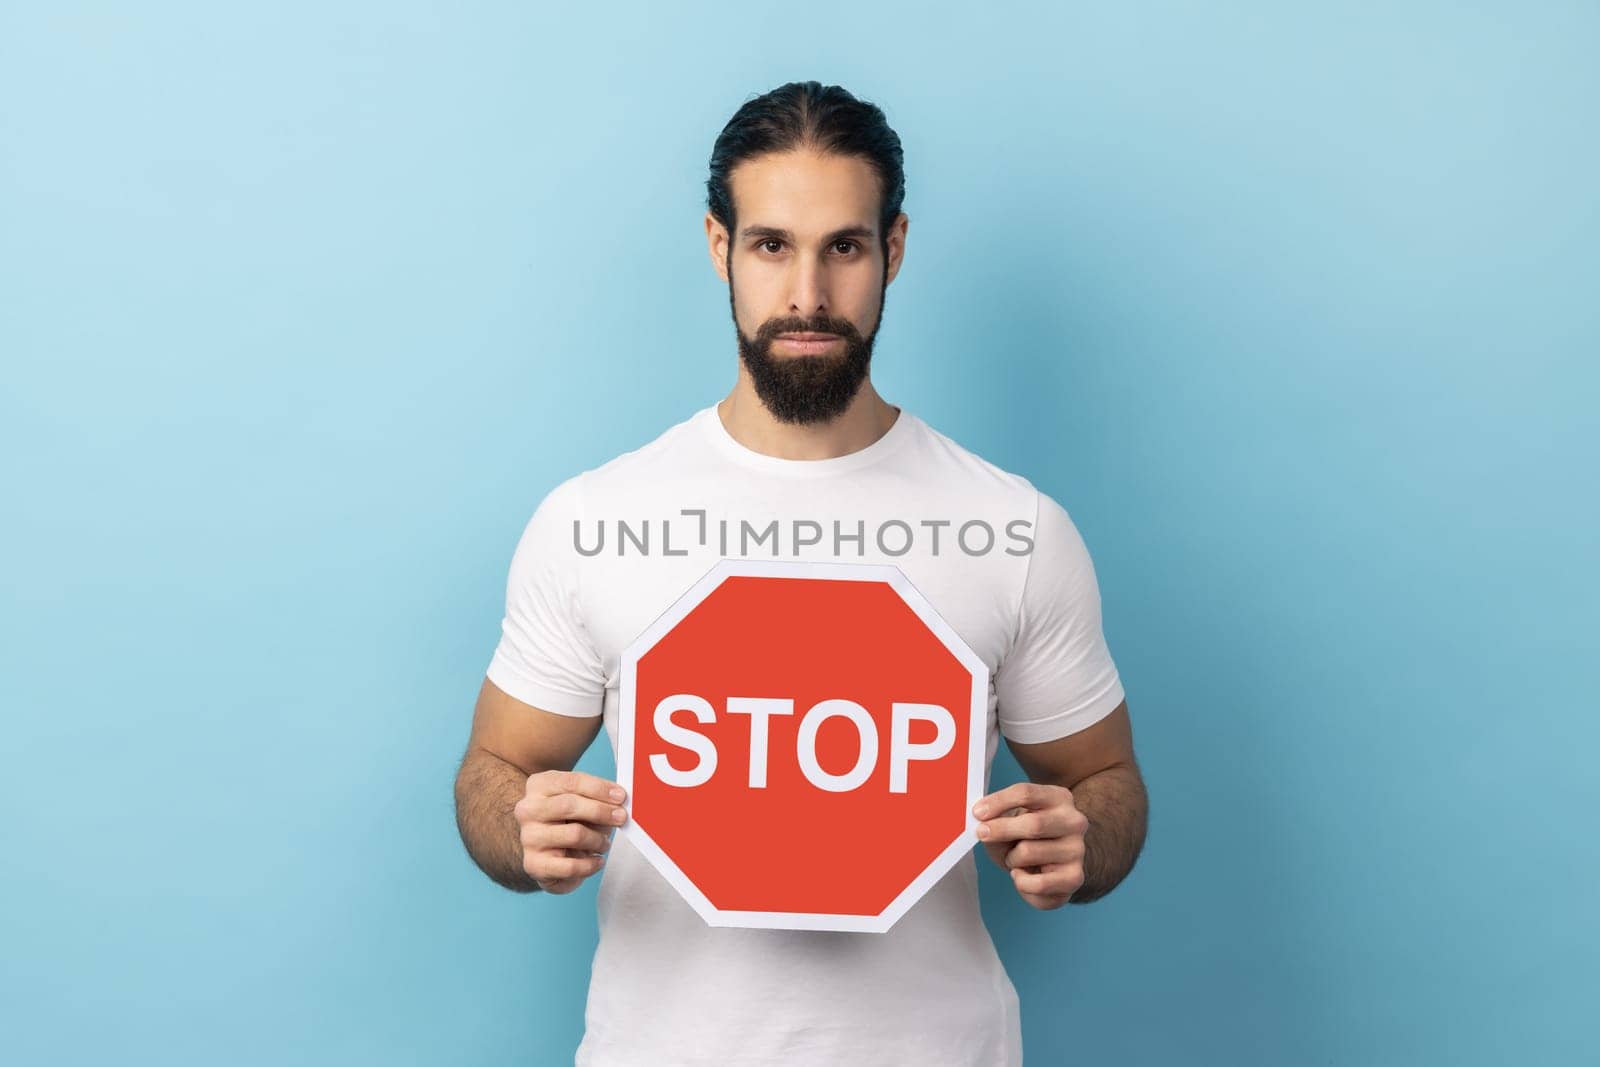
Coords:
pixel 1034 832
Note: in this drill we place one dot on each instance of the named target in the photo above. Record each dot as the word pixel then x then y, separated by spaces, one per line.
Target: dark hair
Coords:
pixel 824 118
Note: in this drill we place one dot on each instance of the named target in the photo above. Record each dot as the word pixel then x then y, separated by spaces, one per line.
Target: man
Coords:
pixel 804 224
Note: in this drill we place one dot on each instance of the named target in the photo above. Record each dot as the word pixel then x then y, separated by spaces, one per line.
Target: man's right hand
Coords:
pixel 566 819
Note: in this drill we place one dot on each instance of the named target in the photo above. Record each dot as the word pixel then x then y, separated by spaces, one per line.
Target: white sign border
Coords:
pixel 977 742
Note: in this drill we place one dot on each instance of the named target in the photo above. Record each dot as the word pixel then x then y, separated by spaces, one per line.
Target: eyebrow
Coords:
pixel 770 232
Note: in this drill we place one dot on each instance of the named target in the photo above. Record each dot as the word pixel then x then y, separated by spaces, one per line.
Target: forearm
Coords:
pixel 487 788
pixel 1116 805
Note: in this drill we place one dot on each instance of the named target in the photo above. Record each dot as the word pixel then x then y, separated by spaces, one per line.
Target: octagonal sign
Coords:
pixel 802 744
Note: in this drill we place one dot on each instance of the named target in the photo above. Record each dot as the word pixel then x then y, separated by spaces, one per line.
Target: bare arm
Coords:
pixel 1115 802
pixel 487 788
pixel 1074 830
pixel 510 742
pixel 1099 768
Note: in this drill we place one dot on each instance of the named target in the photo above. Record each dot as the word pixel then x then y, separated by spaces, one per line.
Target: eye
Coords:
pixel 847 244
pixel 769 241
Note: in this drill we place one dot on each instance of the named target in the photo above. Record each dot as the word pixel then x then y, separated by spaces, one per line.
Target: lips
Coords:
pixel 808 343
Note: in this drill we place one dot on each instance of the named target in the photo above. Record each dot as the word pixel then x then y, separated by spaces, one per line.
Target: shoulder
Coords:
pixel 622 474
pixel 987 481
pixel 1049 514
pixel 670 452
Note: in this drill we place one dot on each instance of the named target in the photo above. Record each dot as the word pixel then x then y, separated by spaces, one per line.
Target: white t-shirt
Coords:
pixel 999 560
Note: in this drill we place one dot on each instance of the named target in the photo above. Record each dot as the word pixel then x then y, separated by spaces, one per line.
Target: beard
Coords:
pixel 809 388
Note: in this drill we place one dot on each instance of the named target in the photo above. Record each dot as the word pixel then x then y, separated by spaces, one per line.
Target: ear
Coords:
pixel 717 245
pixel 897 246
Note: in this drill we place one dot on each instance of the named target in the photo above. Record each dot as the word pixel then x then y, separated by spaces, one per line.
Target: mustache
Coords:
pixel 839 327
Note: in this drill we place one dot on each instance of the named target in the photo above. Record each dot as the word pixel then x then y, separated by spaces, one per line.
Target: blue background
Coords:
pixel 303 307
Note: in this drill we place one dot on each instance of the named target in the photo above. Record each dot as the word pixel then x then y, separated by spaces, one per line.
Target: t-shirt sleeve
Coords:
pixel 545 656
pixel 1058 677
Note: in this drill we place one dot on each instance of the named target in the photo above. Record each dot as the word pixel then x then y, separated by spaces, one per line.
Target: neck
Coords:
pixel 867 418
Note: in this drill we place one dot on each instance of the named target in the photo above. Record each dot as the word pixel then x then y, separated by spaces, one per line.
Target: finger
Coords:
pixel 571 807
pixel 546 866
pixel 1052 822
pixel 1039 852
pixel 583 784
pixel 1055 880
pixel 573 836
pixel 1027 795
pixel 1045 903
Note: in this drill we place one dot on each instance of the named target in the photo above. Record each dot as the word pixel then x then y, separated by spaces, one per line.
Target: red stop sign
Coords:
pixel 802 744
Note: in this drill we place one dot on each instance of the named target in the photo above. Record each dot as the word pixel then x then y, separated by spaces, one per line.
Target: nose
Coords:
pixel 807 292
